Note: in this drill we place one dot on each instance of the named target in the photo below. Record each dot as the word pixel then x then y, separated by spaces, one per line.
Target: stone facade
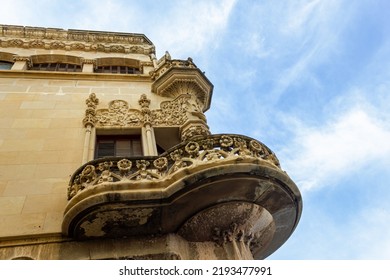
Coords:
pixel 190 195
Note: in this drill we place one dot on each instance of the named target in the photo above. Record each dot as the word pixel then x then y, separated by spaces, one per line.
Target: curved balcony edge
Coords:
pixel 230 175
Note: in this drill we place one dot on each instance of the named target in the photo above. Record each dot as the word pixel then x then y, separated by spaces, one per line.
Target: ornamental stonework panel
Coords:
pixel 171 113
pixel 119 114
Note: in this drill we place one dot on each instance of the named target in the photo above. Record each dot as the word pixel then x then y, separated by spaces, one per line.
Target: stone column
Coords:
pixel 148 140
pixel 89 124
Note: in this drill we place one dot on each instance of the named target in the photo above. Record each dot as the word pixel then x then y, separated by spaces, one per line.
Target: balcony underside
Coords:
pixel 239 195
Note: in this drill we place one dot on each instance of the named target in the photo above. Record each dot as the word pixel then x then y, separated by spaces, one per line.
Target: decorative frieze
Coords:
pixel 171 113
pixel 119 114
pixel 49 38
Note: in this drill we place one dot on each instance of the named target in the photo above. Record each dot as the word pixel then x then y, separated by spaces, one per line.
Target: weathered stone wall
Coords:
pixel 41 145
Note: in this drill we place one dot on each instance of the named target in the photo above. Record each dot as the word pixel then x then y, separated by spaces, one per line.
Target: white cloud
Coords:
pixel 319 156
pixel 191 26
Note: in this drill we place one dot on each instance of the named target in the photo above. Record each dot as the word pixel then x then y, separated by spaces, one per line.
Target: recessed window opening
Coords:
pixel 5 65
pixel 115 69
pixel 60 67
pixel 118 146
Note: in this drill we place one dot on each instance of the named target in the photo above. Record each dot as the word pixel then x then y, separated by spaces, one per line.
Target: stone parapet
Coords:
pixel 81 40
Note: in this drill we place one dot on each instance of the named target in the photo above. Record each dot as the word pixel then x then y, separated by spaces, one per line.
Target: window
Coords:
pixel 5 65
pixel 118 146
pixel 60 67
pixel 114 69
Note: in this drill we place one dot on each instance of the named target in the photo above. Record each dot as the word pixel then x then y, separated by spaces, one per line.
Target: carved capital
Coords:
pixel 89 61
pixel 26 59
pixel 194 130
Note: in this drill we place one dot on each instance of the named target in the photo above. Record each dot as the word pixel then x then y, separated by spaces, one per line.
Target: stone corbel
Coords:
pixel 22 63
pixel 193 129
pixel 89 65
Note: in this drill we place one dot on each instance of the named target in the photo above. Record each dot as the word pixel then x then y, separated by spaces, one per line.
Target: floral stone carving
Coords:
pixel 198 151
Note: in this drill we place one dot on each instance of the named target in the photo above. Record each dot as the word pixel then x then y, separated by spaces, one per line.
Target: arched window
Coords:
pixel 56 62
pixel 115 69
pixel 56 66
pixel 118 65
pixel 5 65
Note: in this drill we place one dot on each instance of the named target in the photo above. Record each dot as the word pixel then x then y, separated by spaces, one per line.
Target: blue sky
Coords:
pixel 309 78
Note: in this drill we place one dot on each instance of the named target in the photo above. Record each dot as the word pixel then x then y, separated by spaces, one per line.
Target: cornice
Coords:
pixel 72 39
pixel 31 74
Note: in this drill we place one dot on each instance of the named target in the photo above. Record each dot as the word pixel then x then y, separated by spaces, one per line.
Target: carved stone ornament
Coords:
pixel 174 112
pixel 197 151
pixel 44 38
pixel 89 61
pixel 23 58
pixel 119 114
pixel 194 130
pixel 90 112
pixel 177 77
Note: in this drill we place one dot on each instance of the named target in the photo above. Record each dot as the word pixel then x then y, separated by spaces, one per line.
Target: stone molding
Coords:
pixel 84 40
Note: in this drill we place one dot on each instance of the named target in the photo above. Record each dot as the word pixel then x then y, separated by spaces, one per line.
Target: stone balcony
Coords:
pixel 228 190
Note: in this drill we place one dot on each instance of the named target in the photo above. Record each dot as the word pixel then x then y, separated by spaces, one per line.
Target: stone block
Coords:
pixel 9 157
pixel 28 187
pixel 105 90
pixel 21 224
pixel 90 84
pixel 43 89
pixel 11 205
pixel 37 105
pixel 63 145
pixel 31 123
pixel 6 123
pixel 13 88
pixel 59 170
pixel 45 203
pixel 75 90
pixel 23 145
pixel 17 171
pixel 53 222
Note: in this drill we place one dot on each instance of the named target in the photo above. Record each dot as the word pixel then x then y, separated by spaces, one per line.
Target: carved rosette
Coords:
pixel 198 151
pixel 90 113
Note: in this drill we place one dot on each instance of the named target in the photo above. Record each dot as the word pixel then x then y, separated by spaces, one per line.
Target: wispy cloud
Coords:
pixel 322 155
pixel 192 26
